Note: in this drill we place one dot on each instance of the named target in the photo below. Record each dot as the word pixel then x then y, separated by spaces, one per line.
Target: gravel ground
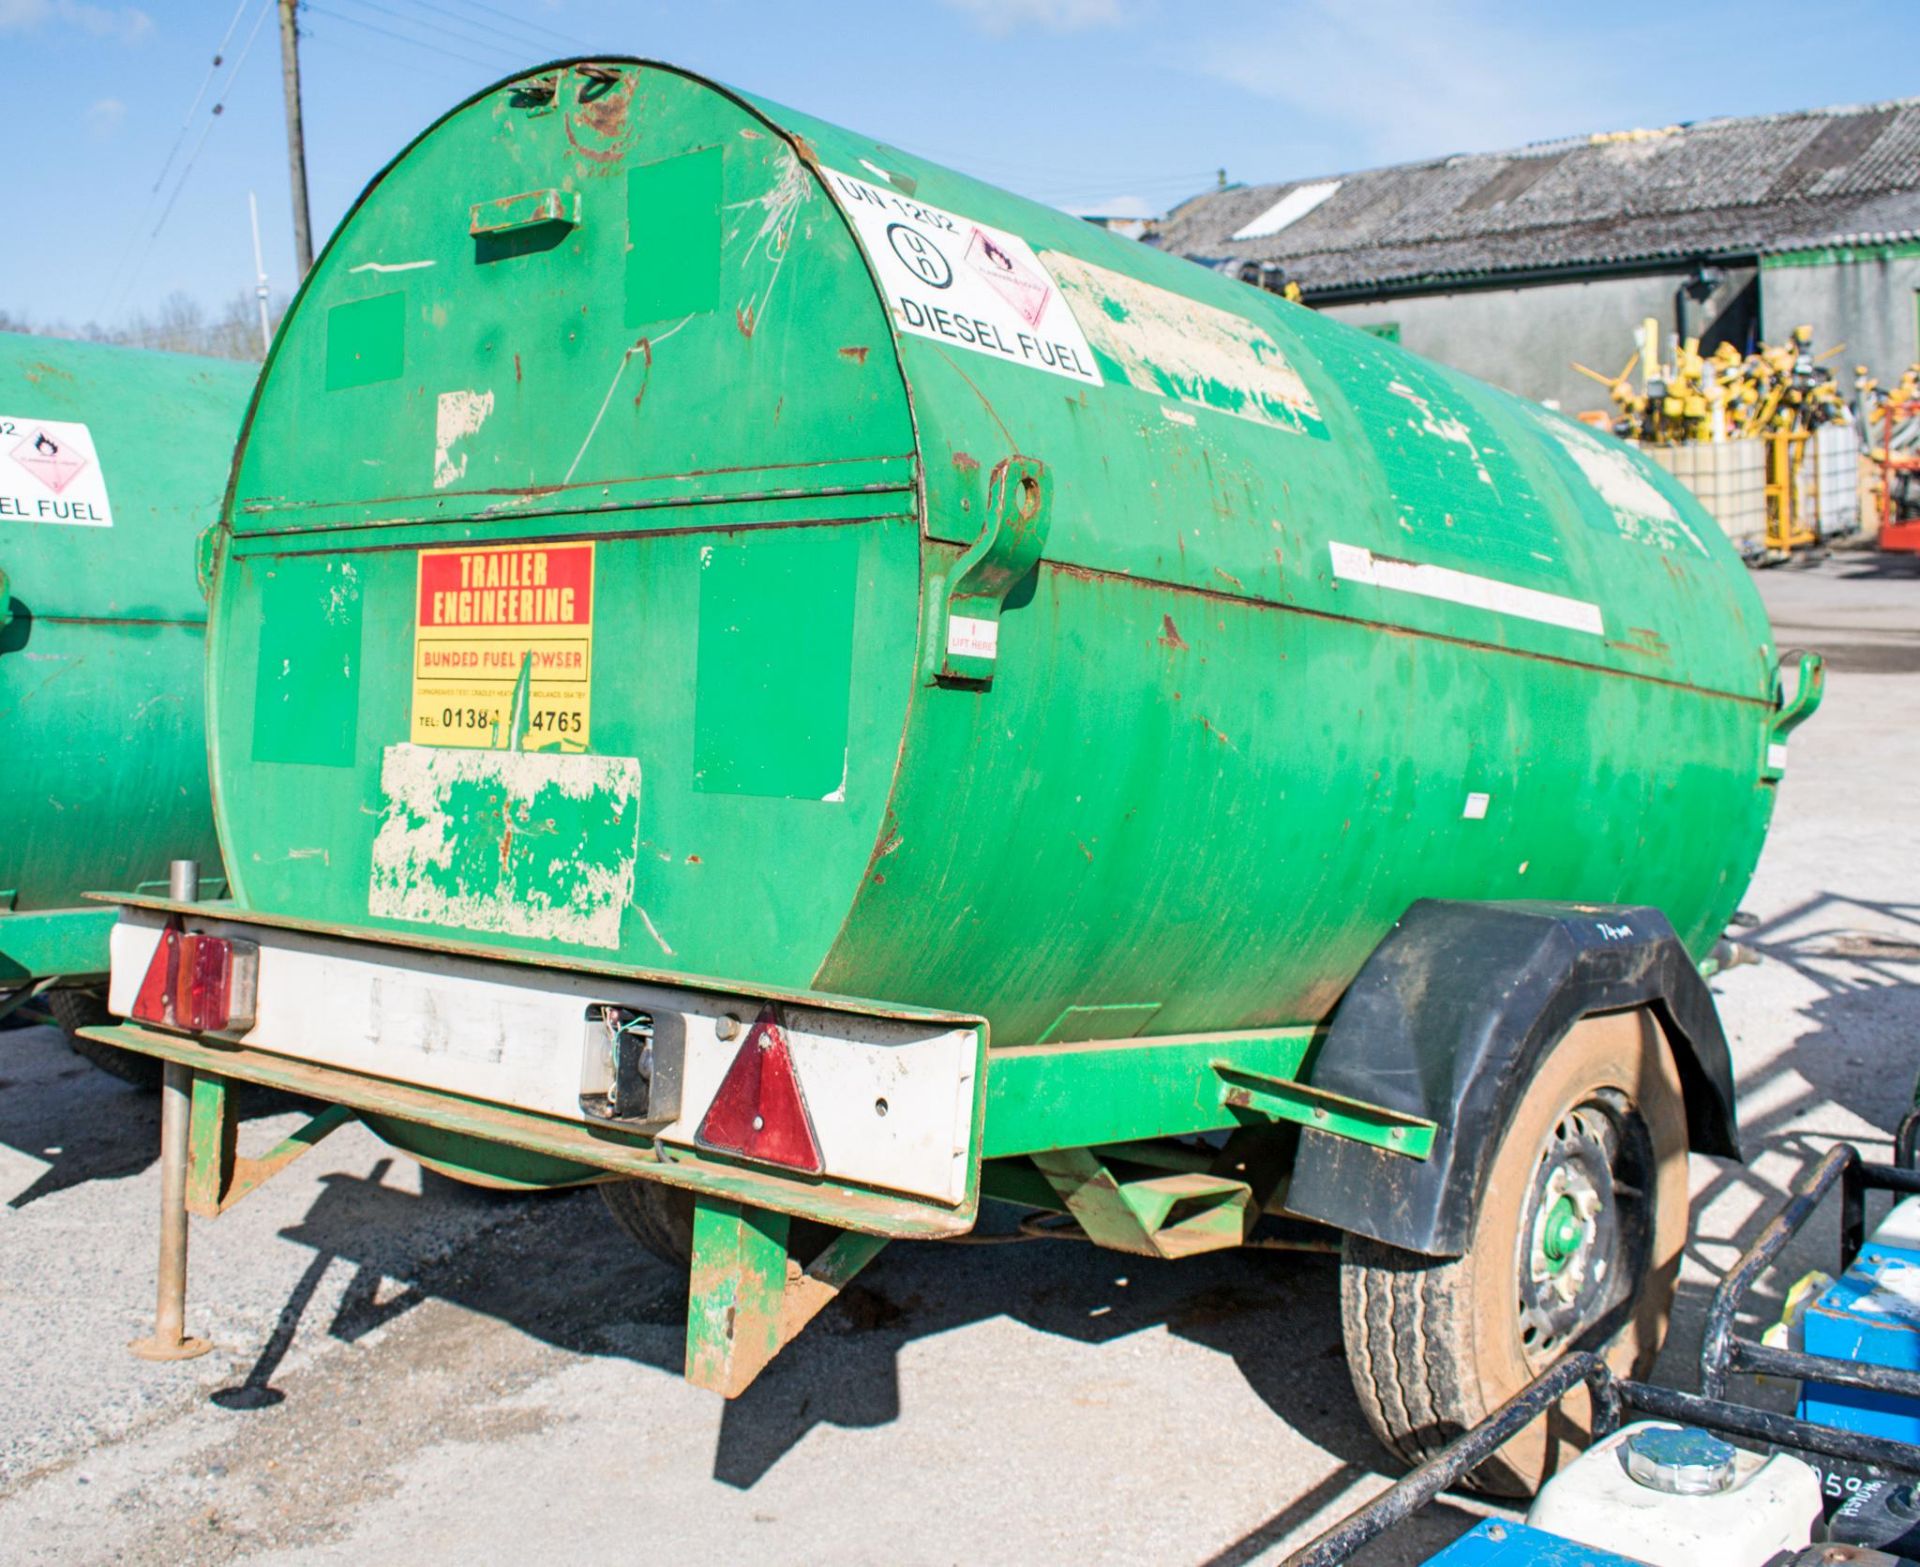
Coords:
pixel 409 1369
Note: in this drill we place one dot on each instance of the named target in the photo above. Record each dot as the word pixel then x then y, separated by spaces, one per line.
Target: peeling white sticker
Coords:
pixel 1476 807
pixel 1448 428
pixel 962 283
pixel 460 415
pixel 1355 564
pixel 1639 510
pixel 448 852
pixel 1777 757
pixel 49 472
pixel 1175 346
pixel 973 638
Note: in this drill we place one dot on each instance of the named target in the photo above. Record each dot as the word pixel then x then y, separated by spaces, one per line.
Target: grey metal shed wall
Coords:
pixel 1526 339
pixel 1873 305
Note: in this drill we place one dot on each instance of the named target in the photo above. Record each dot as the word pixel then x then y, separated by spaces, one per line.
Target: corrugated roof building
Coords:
pixel 1511 264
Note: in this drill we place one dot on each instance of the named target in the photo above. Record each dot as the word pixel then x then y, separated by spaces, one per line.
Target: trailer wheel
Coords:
pixel 660 1218
pixel 74 1010
pixel 1576 1245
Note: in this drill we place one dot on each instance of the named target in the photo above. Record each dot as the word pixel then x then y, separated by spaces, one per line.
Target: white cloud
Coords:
pixel 1002 17
pixel 125 24
pixel 1114 207
pixel 103 118
pixel 1415 79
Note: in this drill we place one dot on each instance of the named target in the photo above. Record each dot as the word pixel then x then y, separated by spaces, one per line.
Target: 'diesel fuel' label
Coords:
pixel 484 616
pixel 49 472
pixel 963 283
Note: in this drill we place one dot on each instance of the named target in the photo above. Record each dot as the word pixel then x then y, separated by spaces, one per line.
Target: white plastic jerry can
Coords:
pixel 1677 1496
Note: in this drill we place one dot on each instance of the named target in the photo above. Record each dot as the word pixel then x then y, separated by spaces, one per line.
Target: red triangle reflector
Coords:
pixel 759 1112
pixel 154 1004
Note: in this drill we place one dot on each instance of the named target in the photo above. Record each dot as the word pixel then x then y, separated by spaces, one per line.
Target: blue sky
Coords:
pixel 1085 103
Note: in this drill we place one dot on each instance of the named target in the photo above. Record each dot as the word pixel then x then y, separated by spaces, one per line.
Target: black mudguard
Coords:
pixel 1449 1019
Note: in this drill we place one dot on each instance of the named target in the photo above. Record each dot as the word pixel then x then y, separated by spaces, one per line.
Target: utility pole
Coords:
pixel 296 140
pixel 260 276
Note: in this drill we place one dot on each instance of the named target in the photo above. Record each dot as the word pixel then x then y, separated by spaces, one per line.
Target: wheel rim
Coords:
pixel 1585 1230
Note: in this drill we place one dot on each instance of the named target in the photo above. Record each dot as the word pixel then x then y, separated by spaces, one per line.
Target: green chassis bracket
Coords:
pixel 218 1175
pixel 1045 1097
pixel 54 942
pixel 1168 1213
pixel 66 943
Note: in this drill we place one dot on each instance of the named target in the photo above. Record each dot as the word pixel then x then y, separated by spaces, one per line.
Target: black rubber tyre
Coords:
pixel 74 1010
pixel 1436 1345
pixel 660 1218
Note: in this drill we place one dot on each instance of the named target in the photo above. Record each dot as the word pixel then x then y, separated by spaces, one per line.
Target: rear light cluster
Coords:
pixel 206 984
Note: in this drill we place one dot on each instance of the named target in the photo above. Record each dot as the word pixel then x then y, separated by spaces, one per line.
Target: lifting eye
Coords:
pixel 536 94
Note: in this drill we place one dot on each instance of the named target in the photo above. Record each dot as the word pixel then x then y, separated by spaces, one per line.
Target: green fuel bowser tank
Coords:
pixel 694 563
pixel 961 604
pixel 112 462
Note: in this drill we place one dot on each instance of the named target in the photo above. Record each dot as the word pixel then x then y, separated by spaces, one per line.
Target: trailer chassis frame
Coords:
pixel 1147 1182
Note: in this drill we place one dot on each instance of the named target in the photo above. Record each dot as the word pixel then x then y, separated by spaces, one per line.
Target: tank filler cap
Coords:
pixel 1680 1461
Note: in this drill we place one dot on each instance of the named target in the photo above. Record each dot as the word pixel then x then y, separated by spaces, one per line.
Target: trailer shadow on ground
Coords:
pixel 81 1123
pixel 557 1268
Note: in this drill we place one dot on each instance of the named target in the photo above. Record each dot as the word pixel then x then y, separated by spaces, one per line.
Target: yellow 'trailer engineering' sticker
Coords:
pixel 485 617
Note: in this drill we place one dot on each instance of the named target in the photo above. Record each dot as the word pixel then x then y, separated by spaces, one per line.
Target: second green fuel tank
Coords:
pixel 675 531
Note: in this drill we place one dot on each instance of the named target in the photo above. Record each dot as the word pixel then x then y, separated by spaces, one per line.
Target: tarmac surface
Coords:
pixel 407 1369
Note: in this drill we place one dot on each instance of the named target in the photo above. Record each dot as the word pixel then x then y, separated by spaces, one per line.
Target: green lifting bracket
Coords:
pixel 1810 685
pixel 1019 511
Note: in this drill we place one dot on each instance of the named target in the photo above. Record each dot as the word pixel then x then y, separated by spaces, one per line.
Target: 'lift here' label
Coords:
pixel 964 284
pixel 49 472
pixel 484 615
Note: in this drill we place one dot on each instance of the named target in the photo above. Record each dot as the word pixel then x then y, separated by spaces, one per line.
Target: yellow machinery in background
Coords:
pixel 1780 395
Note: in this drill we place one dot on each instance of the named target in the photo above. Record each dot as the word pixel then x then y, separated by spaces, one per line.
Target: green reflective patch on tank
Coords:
pixel 776 664
pixel 673 237
pixel 366 341
pixel 306 698
pixel 516 843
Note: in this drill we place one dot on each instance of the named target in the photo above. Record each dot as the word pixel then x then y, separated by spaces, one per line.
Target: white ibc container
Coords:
pixel 1726 477
pixel 1834 480
pixel 1674 1496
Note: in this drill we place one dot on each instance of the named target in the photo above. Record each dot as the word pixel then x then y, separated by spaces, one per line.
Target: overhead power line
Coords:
pixel 332 40
pixel 437 30
pixel 206 81
pixel 431 46
pixel 131 270
pixel 546 32
pixel 532 40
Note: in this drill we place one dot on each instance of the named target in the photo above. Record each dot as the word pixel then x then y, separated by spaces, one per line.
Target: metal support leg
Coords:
pixel 739 1279
pixel 747 1299
pixel 169 1340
